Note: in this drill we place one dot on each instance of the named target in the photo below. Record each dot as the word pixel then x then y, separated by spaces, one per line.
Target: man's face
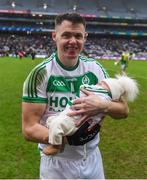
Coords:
pixel 70 40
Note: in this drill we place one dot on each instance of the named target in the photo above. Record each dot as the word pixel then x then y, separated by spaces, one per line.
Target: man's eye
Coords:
pixel 76 36
pixel 66 35
pixel 79 36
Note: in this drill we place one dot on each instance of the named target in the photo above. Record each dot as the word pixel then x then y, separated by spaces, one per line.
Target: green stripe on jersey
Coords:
pixel 98 90
pixel 84 58
pixel 103 69
pixel 34 100
pixel 35 78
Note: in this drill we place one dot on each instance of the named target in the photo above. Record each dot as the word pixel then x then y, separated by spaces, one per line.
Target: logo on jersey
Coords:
pixel 58 103
pixel 69 84
pixel 58 83
pixel 85 80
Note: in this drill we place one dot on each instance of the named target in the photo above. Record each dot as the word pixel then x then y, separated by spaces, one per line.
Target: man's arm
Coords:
pixel 32 130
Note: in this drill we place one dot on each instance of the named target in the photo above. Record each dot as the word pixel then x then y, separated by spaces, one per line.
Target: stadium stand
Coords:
pixel 112 26
pixel 122 8
pixel 98 47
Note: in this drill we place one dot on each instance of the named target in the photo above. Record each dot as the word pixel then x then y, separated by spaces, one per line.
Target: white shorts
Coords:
pixel 52 167
pixel 123 66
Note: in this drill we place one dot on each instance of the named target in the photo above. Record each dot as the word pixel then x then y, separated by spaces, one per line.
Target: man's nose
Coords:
pixel 72 39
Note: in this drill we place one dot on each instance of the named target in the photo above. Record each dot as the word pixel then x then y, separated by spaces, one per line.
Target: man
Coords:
pixel 124 62
pixel 46 92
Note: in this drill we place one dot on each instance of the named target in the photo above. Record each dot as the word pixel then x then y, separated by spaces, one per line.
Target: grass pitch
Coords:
pixel 123 142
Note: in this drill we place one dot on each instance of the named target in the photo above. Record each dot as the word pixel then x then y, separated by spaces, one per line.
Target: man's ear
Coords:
pixel 54 36
pixel 85 37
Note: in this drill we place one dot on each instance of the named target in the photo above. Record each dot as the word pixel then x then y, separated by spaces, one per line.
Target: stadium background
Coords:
pixel 113 25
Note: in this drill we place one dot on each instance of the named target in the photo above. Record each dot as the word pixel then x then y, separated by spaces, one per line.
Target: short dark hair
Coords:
pixel 75 18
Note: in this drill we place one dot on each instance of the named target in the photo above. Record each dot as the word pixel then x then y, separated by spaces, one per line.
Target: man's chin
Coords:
pixel 72 56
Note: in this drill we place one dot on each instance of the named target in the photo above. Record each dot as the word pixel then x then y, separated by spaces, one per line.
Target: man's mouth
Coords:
pixel 71 48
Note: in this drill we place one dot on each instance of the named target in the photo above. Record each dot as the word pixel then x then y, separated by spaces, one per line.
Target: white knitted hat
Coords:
pixel 122 86
pixel 115 88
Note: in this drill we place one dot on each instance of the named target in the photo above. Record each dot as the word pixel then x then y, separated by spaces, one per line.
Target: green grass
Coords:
pixel 18 158
pixel 123 142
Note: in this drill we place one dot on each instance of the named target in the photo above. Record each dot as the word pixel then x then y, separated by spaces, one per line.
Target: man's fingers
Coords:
pixel 78 106
pixel 82 99
pixel 78 101
pixel 87 93
pixel 75 113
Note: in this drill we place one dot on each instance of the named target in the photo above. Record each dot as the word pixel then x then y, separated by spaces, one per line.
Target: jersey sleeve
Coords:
pixel 35 85
pixel 102 73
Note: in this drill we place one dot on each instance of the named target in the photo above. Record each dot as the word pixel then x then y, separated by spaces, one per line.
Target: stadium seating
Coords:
pixel 120 22
pixel 120 8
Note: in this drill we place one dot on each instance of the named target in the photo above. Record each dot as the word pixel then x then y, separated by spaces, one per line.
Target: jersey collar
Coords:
pixel 66 68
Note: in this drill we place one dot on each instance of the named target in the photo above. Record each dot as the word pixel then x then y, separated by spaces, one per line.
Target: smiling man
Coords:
pixel 46 92
pixel 69 37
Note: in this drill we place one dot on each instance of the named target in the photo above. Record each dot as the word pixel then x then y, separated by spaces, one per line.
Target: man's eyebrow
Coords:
pixel 74 33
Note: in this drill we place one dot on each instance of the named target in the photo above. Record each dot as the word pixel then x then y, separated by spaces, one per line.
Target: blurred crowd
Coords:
pixel 101 47
pixel 20 46
pixel 43 46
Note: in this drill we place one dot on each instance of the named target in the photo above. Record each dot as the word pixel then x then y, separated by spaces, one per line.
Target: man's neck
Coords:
pixel 68 63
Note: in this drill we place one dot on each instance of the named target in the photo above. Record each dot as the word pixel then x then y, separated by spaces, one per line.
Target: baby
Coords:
pixel 108 89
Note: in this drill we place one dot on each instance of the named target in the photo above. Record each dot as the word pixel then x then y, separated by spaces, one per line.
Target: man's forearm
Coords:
pixel 117 110
pixel 36 133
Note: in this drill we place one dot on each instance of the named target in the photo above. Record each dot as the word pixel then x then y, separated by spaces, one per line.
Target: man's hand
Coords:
pixel 87 106
pixel 92 105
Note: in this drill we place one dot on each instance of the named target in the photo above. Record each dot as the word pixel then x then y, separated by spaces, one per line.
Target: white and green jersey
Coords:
pixel 52 83
pixel 125 58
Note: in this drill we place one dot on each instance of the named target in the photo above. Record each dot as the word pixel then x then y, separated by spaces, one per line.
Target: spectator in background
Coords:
pixel 32 53
pixel 125 57
pixel 95 46
pixel 21 54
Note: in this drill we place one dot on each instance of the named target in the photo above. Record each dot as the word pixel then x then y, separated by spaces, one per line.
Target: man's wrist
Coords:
pixel 103 107
pixel 106 107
